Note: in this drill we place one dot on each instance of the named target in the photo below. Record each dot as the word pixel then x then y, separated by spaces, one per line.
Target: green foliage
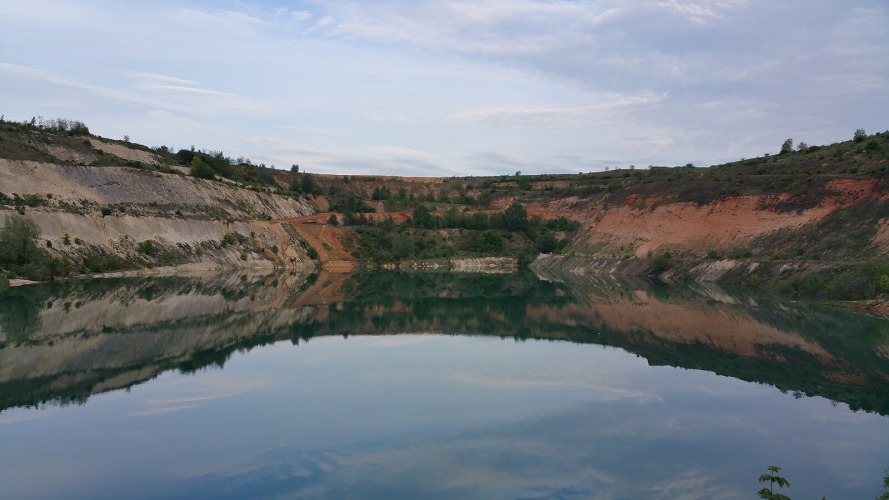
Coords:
pixel 147 247
pixel 787 147
pixel 488 242
pixel 307 185
pixel 20 253
pixel 381 193
pixel 772 478
pixel 403 246
pixel 422 217
pixel 885 496
pixel 106 211
pixel 563 224
pixel 231 237
pixel 860 135
pixel 515 218
pixel 200 169
pixel 861 280
pixel 18 240
pixel 873 146
pixel 351 203
pixel 333 220
pixel 548 243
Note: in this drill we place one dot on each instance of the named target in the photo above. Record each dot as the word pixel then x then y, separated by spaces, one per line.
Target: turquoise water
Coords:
pixel 434 386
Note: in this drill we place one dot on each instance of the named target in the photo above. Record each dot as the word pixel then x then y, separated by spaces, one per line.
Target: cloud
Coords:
pixel 560 116
pixel 701 12
pixel 148 93
pixel 458 85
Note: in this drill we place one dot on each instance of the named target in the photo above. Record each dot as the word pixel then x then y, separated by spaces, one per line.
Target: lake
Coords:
pixel 434 385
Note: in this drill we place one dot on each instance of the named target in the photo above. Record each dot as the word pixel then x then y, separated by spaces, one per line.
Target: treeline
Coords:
pixel 213 164
pixel 514 218
pixel 506 233
pixel 58 125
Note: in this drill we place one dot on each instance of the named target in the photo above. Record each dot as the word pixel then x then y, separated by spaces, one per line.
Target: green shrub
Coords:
pixel 147 247
pixel 403 246
pixel 490 241
pixel 20 253
pixel 198 168
pixel 860 135
pixel 873 146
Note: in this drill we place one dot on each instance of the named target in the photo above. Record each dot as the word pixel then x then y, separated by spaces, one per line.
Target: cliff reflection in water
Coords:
pixel 62 343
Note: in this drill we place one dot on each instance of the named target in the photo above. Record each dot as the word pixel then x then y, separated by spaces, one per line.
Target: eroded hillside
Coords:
pixel 99 218
pixel 105 204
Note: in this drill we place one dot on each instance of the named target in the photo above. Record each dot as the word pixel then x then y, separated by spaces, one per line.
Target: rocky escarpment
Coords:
pixel 111 218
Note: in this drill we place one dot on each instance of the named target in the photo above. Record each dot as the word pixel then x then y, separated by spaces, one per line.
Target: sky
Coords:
pixel 446 87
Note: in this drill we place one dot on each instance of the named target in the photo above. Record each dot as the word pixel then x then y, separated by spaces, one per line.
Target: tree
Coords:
pixel 403 246
pixel 18 240
pixel 515 218
pixel 200 169
pixel 333 220
pixel 490 241
pixel 860 135
pixel 307 184
pixel 20 253
pixel 787 147
pixel 547 242
pixel 423 217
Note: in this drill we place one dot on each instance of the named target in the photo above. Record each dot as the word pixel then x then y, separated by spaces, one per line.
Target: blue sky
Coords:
pixel 417 87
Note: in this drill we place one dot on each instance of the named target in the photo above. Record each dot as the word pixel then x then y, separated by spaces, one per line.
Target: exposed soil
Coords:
pixel 124 152
pixel 644 225
pixel 325 239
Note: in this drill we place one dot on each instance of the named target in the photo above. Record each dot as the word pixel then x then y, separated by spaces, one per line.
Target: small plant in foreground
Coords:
pixel 772 477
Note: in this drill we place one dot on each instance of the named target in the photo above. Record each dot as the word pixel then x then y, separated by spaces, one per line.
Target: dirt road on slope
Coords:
pixel 325 239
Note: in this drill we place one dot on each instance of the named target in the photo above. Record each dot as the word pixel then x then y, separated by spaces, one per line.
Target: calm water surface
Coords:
pixel 434 386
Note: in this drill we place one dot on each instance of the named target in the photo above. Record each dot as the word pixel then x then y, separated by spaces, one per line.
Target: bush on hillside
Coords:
pixel 20 253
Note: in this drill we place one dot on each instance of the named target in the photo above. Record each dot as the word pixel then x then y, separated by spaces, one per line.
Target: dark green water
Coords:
pixel 391 385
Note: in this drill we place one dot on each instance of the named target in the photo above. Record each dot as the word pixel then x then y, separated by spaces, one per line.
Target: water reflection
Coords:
pixel 454 409
pixel 64 342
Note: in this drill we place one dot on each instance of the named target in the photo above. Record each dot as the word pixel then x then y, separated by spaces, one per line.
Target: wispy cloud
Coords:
pixel 458 85
pixel 701 12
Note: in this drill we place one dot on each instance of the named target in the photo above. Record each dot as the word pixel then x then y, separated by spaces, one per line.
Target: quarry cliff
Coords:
pixel 104 205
